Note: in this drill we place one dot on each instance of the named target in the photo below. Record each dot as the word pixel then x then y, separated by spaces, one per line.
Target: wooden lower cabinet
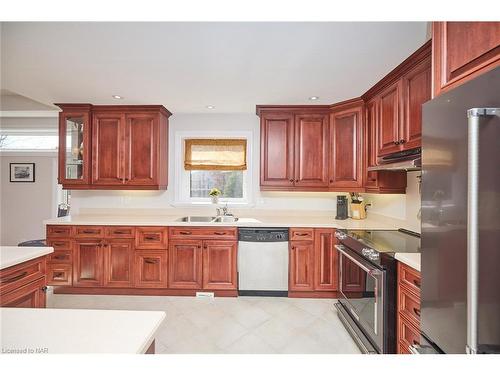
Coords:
pixel 118 263
pixel 24 284
pixel 219 265
pixel 31 295
pixel 88 265
pixel 185 264
pixel 326 260
pixel 59 274
pixel 150 269
pixel 408 327
pixel 301 260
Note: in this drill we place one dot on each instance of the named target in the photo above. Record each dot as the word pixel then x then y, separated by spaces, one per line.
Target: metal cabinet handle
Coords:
pixel 89 231
pixel 59 257
pixel 291 180
pixel 58 244
pixel 417 283
pixel 396 143
pixel 151 238
pixel 184 232
pixel 416 311
pixel 220 233
pixel 402 141
pixel 301 234
pixel 44 289
pixel 119 232
pixel 15 278
pixel 150 261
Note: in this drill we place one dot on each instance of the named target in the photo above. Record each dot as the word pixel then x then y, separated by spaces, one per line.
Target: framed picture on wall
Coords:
pixel 22 172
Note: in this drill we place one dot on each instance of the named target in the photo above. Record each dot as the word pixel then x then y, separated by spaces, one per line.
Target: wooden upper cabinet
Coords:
pixel 311 150
pixel 346 152
pixel 277 150
pixel 74 144
pixel 219 265
pixel 142 148
pixel 388 130
pixel 108 133
pixel 129 147
pixel 326 260
pixel 416 91
pixel 462 51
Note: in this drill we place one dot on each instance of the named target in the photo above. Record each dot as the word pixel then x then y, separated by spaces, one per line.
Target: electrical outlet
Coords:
pixel 205 294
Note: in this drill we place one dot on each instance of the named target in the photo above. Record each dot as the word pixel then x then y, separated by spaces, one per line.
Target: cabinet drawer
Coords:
pixel 301 234
pixel 409 306
pixel 119 232
pixel 221 233
pixel 59 244
pixel 59 231
pixel 409 277
pixel 60 256
pixel 151 238
pixel 407 334
pixel 16 276
pixel 31 295
pixel 59 274
pixel 89 231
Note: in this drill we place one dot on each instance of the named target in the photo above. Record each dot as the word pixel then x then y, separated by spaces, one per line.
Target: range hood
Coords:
pixel 408 160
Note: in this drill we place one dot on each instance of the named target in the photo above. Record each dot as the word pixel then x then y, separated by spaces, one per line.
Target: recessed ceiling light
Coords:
pixel 117 97
pixel 313 97
pixel 210 106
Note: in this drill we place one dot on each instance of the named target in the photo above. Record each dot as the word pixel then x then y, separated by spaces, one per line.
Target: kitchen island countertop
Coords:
pixel 13 255
pixel 57 331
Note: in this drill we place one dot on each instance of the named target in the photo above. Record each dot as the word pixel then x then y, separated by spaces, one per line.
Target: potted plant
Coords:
pixel 214 195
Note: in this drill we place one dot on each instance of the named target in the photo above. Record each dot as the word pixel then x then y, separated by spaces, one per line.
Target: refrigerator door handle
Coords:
pixel 474 116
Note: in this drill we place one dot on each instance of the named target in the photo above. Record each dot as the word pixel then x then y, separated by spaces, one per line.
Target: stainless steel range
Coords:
pixel 367 301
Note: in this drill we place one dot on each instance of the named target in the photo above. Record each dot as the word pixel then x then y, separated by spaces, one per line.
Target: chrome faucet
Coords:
pixel 224 211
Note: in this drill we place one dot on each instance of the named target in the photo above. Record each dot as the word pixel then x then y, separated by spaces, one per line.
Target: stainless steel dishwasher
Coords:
pixel 263 261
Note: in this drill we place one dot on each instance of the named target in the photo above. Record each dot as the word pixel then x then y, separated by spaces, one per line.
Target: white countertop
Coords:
pixel 12 255
pixel 410 259
pixel 78 331
pixel 373 222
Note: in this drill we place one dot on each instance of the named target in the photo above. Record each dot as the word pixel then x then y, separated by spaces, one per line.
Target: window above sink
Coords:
pixel 194 181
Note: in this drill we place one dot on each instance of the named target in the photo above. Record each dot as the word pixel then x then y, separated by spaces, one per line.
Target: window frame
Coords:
pixel 182 176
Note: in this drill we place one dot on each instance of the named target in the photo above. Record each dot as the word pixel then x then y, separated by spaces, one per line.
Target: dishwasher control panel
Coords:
pixel 263 234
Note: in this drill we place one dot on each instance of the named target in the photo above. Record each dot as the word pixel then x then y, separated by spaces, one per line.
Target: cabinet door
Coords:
pixel 150 268
pixel 276 150
pixel 463 50
pixel 74 148
pixel 118 263
pixel 219 265
pixel 88 263
pixel 326 260
pixel 301 276
pixel 416 91
pixel 311 150
pixel 185 264
pixel 346 148
pixel 142 149
pixel 31 295
pixel 389 119
pixel 108 149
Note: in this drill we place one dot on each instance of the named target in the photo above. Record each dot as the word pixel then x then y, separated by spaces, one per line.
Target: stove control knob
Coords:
pixel 374 256
pixel 367 251
pixel 340 235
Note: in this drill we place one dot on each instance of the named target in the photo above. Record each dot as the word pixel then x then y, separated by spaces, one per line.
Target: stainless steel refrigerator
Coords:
pixel 460 246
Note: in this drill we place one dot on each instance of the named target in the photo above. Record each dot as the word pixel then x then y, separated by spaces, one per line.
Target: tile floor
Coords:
pixel 232 325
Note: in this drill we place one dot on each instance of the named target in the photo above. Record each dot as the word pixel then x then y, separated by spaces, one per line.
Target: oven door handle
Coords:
pixel 371 271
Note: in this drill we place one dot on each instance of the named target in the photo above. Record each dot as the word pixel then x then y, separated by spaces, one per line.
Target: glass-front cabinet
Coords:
pixel 74 138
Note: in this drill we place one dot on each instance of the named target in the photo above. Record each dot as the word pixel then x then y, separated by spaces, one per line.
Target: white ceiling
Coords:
pixel 187 66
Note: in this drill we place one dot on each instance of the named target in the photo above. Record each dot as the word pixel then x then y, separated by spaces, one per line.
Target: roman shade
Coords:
pixel 215 154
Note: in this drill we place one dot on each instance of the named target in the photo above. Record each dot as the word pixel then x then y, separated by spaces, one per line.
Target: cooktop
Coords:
pixel 388 241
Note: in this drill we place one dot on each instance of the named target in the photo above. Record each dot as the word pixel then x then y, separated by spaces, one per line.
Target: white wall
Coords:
pixel 24 206
pixel 164 200
pixel 400 206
